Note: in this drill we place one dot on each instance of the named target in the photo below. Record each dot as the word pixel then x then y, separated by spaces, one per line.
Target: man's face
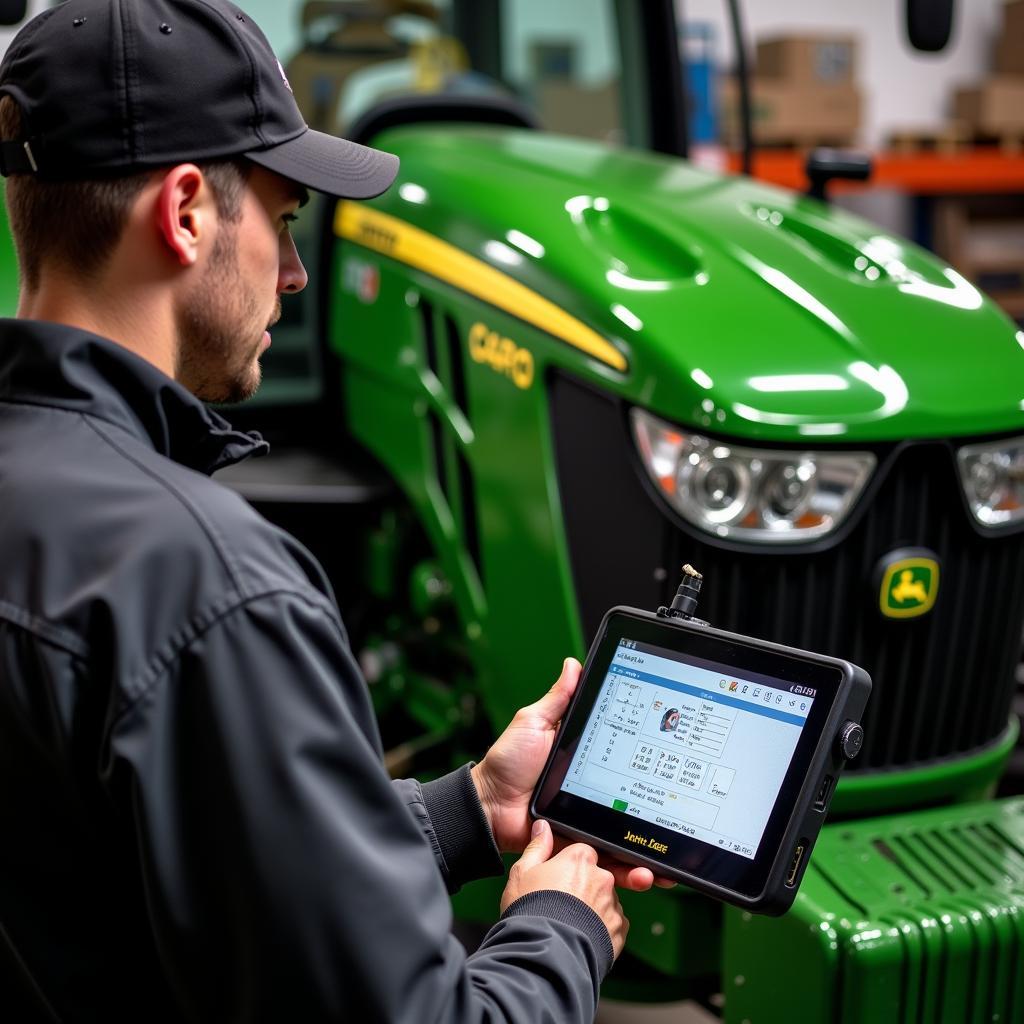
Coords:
pixel 223 319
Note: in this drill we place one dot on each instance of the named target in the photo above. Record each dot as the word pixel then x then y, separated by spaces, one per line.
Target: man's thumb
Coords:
pixel 540 847
pixel 554 703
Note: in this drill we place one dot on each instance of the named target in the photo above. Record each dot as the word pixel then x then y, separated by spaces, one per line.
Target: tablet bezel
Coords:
pixel 714 869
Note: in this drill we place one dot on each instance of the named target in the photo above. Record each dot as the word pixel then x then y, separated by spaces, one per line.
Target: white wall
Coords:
pixel 902 88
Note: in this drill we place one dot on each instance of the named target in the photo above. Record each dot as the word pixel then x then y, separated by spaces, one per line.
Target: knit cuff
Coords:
pixel 461 828
pixel 568 909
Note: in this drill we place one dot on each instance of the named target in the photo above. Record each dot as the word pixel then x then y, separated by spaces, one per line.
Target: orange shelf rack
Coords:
pixel 978 170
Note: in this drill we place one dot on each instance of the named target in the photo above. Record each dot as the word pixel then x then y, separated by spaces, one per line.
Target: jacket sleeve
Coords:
pixel 449 812
pixel 285 877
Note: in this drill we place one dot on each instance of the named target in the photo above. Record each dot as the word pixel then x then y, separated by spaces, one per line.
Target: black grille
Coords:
pixel 943 683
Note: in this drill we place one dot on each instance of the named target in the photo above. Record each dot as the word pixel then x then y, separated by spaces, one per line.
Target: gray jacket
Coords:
pixel 196 821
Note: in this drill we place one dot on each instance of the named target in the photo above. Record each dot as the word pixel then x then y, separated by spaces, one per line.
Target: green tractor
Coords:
pixel 545 369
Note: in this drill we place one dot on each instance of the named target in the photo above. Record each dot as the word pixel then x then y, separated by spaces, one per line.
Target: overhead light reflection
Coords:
pixel 821 429
pixel 577 206
pixel 882 250
pixel 785 284
pixel 883 379
pixel 529 245
pixel 799 382
pixel 700 377
pixel 634 284
pixel 776 419
pixel 628 317
pixel 963 294
pixel 501 253
pixel 413 193
pixel 887 382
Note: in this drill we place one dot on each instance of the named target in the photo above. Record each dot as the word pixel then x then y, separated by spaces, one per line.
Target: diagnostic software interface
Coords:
pixel 689 746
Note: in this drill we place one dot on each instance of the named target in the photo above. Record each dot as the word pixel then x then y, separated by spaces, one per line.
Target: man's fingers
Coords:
pixel 633 879
pixel 553 704
pixel 540 847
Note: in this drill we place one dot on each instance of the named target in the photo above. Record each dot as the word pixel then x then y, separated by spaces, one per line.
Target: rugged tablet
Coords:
pixel 707 756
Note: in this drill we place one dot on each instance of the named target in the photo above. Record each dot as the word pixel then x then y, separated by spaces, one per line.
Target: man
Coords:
pixel 196 822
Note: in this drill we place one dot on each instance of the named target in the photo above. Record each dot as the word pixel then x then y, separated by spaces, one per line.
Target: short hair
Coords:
pixel 77 224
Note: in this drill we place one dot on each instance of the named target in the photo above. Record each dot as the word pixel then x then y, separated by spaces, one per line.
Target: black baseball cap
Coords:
pixel 109 87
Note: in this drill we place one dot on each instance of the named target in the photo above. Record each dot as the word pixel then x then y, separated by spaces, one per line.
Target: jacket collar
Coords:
pixel 68 368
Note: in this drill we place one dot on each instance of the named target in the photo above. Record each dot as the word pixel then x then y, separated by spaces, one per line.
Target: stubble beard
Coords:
pixel 217 354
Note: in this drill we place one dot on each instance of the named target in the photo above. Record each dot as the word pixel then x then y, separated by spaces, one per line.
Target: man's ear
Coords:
pixel 184 212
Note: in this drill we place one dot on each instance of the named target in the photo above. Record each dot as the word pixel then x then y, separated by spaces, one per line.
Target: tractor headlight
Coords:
pixel 993 479
pixel 752 494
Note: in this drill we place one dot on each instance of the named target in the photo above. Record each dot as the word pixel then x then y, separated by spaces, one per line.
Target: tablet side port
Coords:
pixel 794 868
pixel 821 800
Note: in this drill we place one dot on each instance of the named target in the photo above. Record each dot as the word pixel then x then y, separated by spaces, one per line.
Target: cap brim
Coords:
pixel 328 164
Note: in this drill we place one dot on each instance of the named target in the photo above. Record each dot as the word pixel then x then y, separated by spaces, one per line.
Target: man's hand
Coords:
pixel 505 778
pixel 574 870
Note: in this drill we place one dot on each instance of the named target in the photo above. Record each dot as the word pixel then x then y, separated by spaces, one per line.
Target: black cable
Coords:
pixel 743 81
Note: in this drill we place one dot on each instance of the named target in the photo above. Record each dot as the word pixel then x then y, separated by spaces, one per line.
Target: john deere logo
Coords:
pixel 910 585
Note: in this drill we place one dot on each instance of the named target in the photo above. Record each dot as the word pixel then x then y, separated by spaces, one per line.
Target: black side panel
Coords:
pixel 616 536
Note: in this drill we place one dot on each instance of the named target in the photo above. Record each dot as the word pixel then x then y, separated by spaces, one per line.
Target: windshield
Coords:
pixel 561 60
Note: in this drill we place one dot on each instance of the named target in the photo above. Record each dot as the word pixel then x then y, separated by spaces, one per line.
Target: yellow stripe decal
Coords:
pixel 407 244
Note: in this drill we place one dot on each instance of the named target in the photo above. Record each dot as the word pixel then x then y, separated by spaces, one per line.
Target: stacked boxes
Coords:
pixel 995 108
pixel 808 60
pixel 803 93
pixel 1009 57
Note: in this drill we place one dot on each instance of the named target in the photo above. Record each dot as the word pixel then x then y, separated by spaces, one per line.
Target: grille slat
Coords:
pixel 977 712
pixel 970 630
pixel 943 683
pixel 1013 667
pixel 934 656
pixel 810 607
pixel 940 737
pixel 901 695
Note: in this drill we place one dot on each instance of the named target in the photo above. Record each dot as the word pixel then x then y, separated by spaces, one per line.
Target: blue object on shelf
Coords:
pixel 697 42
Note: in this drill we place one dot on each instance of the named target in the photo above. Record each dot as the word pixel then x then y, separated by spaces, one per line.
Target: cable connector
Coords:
pixel 684 604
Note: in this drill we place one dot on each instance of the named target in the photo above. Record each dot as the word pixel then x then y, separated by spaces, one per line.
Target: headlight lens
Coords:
pixel 750 493
pixel 993 480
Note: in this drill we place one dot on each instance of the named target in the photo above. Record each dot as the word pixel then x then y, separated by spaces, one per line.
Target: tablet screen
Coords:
pixel 691 745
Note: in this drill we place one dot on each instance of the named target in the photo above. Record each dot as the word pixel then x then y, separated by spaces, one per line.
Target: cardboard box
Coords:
pixel 1010 41
pixel 828 60
pixel 786 114
pixel 994 108
pixel 591 111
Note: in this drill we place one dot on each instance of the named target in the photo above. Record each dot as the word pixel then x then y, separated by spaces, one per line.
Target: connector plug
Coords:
pixel 684 604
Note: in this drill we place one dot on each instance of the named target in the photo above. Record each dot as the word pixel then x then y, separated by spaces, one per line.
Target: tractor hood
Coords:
pixel 748 310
